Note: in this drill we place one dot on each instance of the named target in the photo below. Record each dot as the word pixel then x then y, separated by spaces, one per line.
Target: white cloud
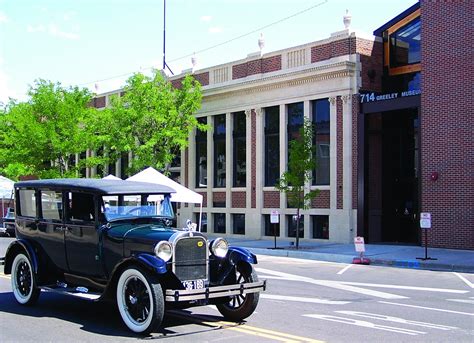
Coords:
pixel 37 28
pixel 215 29
pixel 206 18
pixel 54 30
pixel 3 18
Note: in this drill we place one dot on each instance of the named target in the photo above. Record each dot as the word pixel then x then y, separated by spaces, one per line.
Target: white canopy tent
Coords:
pixel 111 177
pixel 182 194
pixel 6 191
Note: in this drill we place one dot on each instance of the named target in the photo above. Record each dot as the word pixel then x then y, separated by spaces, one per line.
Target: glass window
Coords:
pixel 219 151
pixel 320 227
pixel 51 205
pixel 240 156
pixel 124 165
pixel 239 224
pixel 219 222
pixel 322 140
pixel 201 156
pixel 137 206
pixel 203 223
pixel 292 226
pixel 272 145
pixel 270 228
pixel 111 169
pixel 81 207
pixel 82 170
pixel 27 203
pixel 295 121
pixel 405 44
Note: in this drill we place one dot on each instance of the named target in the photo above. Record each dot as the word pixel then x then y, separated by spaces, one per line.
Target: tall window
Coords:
pixel 271 229
pixel 295 121
pixel 405 44
pixel 240 155
pixel 219 222
pixel 321 141
pixel 124 160
pixel 201 156
pixel 320 227
pixel 292 221
pixel 272 145
pixel 219 150
pixel 82 170
pixel 239 224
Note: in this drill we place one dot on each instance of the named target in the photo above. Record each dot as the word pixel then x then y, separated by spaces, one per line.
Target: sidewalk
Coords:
pixel 401 256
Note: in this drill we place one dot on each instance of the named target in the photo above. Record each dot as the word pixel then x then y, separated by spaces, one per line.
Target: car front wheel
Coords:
pixel 23 281
pixel 140 301
pixel 239 306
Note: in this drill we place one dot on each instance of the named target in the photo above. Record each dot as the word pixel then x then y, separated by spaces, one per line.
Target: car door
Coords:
pixel 50 234
pixel 82 237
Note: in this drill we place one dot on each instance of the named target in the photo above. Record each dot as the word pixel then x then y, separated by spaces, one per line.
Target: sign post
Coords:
pixel 425 223
pixel 360 248
pixel 275 219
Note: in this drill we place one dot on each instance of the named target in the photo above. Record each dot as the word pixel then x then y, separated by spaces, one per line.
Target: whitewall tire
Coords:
pixel 139 301
pixel 23 281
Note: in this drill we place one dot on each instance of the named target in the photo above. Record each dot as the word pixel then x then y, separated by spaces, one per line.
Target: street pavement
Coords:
pixel 403 256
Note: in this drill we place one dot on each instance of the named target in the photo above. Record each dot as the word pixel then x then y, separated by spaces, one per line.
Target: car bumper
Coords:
pixel 177 295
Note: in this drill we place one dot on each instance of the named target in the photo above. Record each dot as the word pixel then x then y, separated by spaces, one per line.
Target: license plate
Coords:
pixel 193 284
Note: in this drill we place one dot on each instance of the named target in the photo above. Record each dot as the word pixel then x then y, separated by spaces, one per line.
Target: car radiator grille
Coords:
pixel 190 258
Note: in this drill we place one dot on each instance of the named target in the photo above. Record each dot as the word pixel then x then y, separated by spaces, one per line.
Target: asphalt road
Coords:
pixel 306 301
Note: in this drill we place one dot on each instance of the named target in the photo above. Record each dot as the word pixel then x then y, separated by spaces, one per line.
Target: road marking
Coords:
pixel 364 323
pixel 343 270
pixel 397 320
pixel 4 276
pixel 466 301
pixel 251 330
pixel 428 308
pixel 414 288
pixel 469 283
pixel 304 300
pixel 331 284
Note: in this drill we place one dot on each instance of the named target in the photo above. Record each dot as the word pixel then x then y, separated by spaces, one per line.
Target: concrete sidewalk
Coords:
pixel 403 256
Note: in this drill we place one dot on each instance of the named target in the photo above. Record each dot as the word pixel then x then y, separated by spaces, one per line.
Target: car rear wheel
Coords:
pixel 23 281
pixel 140 301
pixel 239 306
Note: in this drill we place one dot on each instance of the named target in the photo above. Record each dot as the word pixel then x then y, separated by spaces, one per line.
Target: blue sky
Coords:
pixel 88 42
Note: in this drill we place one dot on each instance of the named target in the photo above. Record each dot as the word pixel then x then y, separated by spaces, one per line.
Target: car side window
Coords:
pixel 27 203
pixel 51 205
pixel 81 207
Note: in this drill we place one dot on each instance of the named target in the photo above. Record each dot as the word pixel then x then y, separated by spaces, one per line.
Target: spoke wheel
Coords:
pixel 23 281
pixel 239 306
pixel 140 301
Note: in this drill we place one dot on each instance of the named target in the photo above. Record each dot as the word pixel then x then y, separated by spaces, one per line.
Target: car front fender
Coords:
pixel 16 247
pixel 237 254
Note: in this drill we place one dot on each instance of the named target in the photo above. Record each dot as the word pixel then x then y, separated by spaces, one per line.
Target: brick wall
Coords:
pixel 204 198
pixel 334 49
pixel 203 79
pixel 355 115
pixel 253 146
pixel 218 197
pixel 322 200
pixel 271 199
pixel 447 122
pixel 239 199
pixel 371 59
pixel 259 66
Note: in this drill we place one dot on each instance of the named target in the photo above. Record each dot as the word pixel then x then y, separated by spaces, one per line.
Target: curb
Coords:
pixel 338 258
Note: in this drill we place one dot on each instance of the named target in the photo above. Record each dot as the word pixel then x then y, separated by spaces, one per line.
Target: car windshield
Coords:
pixel 136 206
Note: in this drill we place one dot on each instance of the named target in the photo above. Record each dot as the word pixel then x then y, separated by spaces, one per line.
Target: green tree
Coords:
pixel 152 120
pixel 301 163
pixel 37 137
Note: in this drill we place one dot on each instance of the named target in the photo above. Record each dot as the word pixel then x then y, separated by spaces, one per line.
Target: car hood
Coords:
pixel 139 237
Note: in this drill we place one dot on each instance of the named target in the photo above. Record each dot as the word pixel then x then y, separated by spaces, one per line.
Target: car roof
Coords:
pixel 99 186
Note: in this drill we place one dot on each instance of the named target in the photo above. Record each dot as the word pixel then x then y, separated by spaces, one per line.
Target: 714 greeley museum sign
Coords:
pixel 372 97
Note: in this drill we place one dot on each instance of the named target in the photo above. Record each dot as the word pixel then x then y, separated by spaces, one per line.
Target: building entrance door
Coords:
pixel 392 174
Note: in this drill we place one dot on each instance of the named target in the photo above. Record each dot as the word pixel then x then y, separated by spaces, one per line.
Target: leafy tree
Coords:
pixel 37 137
pixel 301 163
pixel 152 119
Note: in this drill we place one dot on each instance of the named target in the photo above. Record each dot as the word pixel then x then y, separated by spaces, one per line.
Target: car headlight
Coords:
pixel 219 247
pixel 164 251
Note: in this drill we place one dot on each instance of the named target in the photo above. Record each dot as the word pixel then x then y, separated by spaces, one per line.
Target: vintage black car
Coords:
pixel 112 240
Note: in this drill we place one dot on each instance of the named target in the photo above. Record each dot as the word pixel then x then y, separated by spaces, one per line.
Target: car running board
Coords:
pixel 78 292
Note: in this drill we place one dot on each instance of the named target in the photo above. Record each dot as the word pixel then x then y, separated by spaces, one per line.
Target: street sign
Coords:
pixel 425 220
pixel 274 217
pixel 359 244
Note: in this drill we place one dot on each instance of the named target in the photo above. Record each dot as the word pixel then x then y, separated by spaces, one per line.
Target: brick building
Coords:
pixel 394 134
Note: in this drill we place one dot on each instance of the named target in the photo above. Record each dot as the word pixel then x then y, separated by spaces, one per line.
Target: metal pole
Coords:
pixel 164 34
